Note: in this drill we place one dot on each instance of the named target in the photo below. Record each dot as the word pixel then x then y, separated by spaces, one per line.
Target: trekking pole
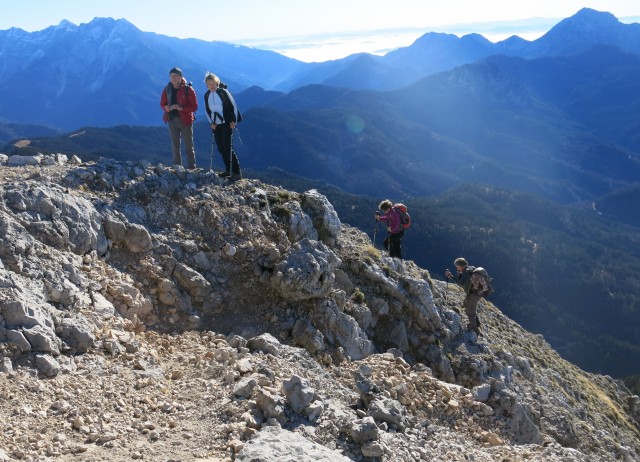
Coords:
pixel 231 156
pixel 375 227
pixel 446 290
pixel 212 142
pixel 375 231
pixel 238 133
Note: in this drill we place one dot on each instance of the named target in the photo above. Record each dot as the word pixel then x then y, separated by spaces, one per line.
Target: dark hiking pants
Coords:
pixel 223 136
pixel 393 243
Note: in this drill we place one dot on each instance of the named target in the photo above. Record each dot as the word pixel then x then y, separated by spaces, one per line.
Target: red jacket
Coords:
pixel 185 97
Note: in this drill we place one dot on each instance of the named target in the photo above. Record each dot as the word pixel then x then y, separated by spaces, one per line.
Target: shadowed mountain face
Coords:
pixel 561 128
pixel 108 72
pixel 556 127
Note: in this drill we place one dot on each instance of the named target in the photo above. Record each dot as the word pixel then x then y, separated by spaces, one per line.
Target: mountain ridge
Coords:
pixel 179 304
pixel 128 65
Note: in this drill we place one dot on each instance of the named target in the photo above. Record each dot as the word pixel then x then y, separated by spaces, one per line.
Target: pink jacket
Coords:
pixel 392 217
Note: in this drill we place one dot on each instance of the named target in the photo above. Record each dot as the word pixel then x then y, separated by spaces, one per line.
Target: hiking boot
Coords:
pixel 224 174
pixel 235 177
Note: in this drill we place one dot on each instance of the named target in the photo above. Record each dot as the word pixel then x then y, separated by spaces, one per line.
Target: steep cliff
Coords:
pixel 149 312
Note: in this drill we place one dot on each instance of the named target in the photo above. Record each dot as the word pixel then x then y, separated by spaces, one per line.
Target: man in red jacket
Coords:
pixel 179 103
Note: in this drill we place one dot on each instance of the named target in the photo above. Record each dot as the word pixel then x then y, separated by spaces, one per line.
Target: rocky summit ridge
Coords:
pixel 154 313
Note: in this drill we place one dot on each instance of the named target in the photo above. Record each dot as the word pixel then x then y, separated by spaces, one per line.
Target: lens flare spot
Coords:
pixel 354 123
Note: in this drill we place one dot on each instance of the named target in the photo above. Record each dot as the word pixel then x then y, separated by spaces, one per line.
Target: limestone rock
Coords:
pixel 364 430
pixel 299 393
pixel 300 225
pixel 245 387
pixel 325 218
pixel 389 411
pixel 42 339
pixel 305 272
pixel 341 329
pixel 77 333
pixel 481 392
pixel 266 343
pixel 307 336
pixel 270 404
pixel 274 443
pixel 47 365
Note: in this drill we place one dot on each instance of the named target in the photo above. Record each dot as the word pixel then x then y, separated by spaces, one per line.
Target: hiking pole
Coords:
pixel 375 227
pixel 375 231
pixel 238 133
pixel 446 290
pixel 212 142
pixel 231 155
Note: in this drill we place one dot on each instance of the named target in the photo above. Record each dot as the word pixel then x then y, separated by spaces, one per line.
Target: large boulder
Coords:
pixel 56 218
pixel 133 237
pixel 20 308
pixel 299 393
pixel 325 218
pixel 300 225
pixel 341 329
pixel 305 271
pixel 77 333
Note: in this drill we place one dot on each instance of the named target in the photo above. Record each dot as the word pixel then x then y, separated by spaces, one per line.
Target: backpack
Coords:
pixel 405 218
pixel 488 279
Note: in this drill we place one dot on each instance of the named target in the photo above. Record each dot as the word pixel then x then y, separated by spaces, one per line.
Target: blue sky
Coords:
pixel 315 30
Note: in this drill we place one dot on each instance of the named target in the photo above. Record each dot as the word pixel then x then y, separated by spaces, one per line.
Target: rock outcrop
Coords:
pixel 158 313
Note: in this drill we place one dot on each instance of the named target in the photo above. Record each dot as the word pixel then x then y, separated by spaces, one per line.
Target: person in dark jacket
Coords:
pixel 395 228
pixel 474 285
pixel 223 115
pixel 179 103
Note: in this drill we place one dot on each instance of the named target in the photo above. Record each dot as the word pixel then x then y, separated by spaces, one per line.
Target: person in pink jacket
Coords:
pixel 395 228
pixel 179 103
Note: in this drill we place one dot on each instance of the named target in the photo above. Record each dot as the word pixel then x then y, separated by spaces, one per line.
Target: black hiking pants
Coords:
pixel 393 243
pixel 223 135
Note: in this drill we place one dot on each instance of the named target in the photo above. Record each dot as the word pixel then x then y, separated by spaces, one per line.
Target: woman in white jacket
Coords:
pixel 223 115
